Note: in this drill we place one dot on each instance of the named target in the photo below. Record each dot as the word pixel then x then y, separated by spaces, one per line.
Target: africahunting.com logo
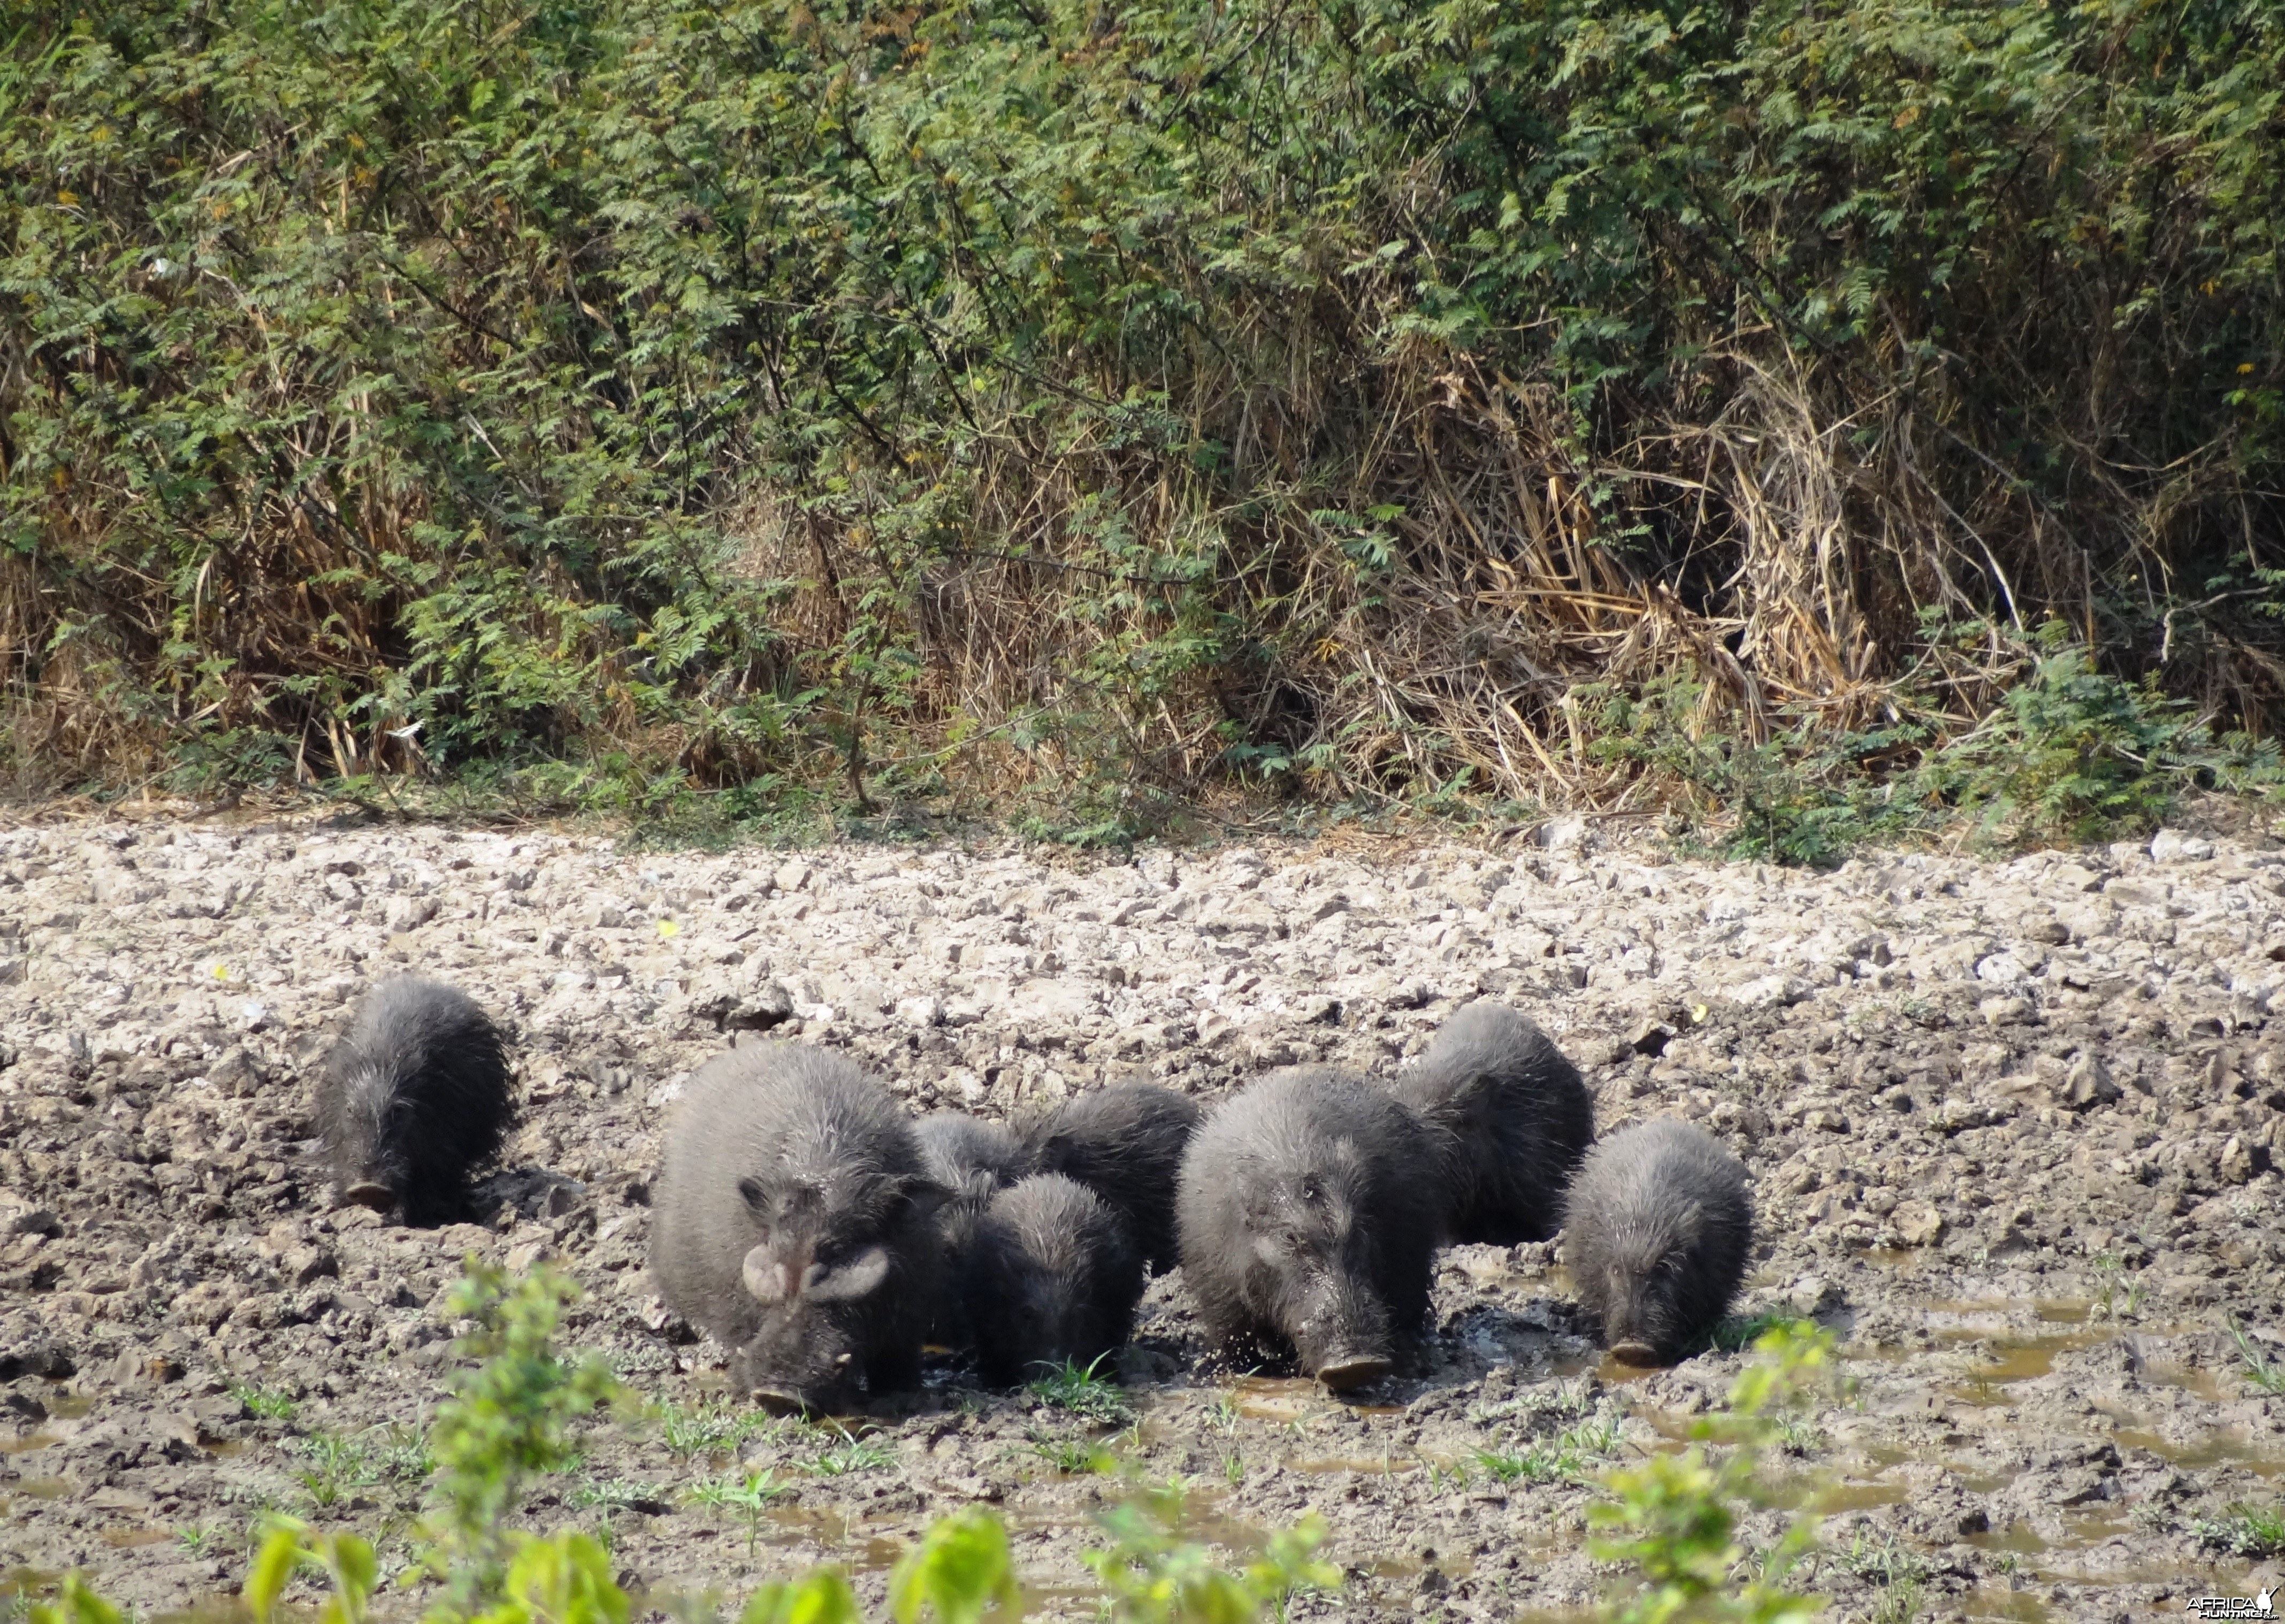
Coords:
pixel 2260 1606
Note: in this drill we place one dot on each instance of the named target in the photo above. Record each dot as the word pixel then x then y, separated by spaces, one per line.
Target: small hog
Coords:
pixel 793 1219
pixel 414 1097
pixel 1657 1232
pixel 1054 1276
pixel 1125 1143
pixel 1510 1117
pixel 975 1160
pixel 1308 1212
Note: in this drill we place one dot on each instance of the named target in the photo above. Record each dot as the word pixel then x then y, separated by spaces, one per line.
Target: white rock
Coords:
pixel 2174 846
pixel 1766 992
pixel 2001 970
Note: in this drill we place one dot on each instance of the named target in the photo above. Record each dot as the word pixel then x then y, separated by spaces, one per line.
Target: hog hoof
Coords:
pixel 379 1197
pixel 777 1401
pixel 1347 1370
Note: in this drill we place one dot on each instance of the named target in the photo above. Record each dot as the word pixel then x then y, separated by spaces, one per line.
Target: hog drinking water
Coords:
pixel 414 1097
pixel 1053 1278
pixel 1125 1143
pixel 1509 1117
pixel 1657 1232
pixel 794 1220
pixel 1309 1215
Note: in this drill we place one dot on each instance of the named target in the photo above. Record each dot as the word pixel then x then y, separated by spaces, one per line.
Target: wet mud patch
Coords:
pixel 2012 1130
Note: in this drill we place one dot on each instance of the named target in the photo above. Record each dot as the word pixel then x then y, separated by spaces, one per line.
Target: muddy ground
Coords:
pixel 2014 1129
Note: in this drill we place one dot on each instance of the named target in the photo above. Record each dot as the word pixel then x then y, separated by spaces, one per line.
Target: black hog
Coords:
pixel 1054 1278
pixel 1510 1117
pixel 1656 1236
pixel 1125 1143
pixel 794 1221
pixel 975 1160
pixel 1308 1214
pixel 969 1155
pixel 414 1097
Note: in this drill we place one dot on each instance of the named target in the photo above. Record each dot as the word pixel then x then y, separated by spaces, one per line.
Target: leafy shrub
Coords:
pixel 1674 1517
pixel 646 405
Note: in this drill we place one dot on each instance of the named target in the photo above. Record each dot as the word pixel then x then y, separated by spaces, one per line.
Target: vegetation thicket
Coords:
pixel 1806 412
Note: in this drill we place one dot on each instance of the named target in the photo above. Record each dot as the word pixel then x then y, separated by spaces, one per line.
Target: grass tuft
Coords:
pixel 1080 1390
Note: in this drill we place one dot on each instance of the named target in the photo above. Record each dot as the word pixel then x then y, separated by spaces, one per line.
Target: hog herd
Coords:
pixel 808 1223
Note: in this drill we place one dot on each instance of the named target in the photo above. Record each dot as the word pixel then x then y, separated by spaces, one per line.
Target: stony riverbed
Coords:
pixel 2014 1128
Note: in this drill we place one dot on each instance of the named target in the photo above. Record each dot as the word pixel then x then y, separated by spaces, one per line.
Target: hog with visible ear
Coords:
pixel 1053 1279
pixel 975 1160
pixel 1126 1143
pixel 1656 1237
pixel 1510 1117
pixel 1310 1214
pixel 794 1220
pixel 412 1099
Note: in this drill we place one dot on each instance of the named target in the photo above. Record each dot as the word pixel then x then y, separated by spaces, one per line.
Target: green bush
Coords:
pixel 1674 1517
pixel 639 405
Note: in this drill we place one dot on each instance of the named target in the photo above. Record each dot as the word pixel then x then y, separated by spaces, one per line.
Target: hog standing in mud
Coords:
pixel 1509 1117
pixel 414 1097
pixel 1054 1278
pixel 1657 1233
pixel 1308 1214
pixel 794 1220
pixel 1125 1143
pixel 974 1159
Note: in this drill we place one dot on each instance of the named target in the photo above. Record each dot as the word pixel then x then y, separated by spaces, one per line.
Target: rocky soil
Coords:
pixel 2013 1130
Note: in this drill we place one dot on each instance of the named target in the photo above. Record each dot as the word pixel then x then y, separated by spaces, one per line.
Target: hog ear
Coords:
pixel 924 1197
pixel 756 1198
pixel 847 1282
pixel 764 1279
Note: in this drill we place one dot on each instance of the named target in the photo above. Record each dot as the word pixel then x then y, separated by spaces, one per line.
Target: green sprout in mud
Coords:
pixel 1070 1457
pixel 336 1464
pixel 1222 1414
pixel 1895 1567
pixel 1233 1469
pixel 196 1538
pixel 618 1495
pixel 2259 1368
pixel 2252 1532
pixel 1567 1457
pixel 2109 1269
pixel 708 1428
pixel 751 1494
pixel 265 1403
pixel 852 1453
pixel 1078 1390
pixel 403 1454
pixel 1798 1435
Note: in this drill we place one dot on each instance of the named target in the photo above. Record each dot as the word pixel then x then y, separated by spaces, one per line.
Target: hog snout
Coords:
pixel 1344 1370
pixel 1343 1340
pixel 811 1393
pixel 1628 1326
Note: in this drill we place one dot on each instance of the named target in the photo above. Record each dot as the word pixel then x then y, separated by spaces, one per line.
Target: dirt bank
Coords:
pixel 2012 1128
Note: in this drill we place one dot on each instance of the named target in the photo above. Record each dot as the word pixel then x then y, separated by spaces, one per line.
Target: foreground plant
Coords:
pixel 1674 1518
pixel 510 1417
